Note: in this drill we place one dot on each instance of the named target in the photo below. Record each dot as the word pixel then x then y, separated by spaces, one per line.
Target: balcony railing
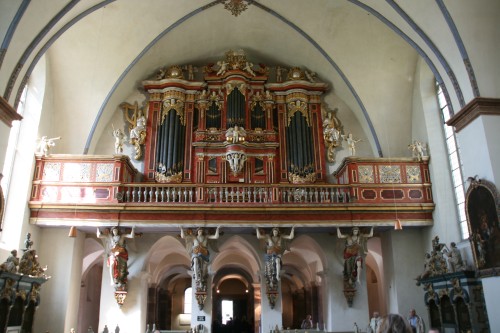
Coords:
pixel 231 194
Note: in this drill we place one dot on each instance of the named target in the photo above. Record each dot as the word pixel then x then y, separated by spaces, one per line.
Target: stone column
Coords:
pixel 270 317
pixel 65 270
pixel 202 315
pixel 476 126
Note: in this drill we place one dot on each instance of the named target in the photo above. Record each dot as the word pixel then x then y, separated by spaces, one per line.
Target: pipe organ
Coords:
pixel 234 125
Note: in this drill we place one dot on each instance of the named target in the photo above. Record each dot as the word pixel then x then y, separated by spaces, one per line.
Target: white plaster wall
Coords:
pixel 403 261
pixel 59 295
pixel 479 143
pixel 491 288
pixel 491 129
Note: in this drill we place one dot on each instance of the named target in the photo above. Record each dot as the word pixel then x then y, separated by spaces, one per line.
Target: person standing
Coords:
pixel 416 322
pixel 307 323
pixel 375 322
pixel 394 323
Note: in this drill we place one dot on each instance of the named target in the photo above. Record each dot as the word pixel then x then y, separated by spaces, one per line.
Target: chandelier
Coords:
pixel 236 7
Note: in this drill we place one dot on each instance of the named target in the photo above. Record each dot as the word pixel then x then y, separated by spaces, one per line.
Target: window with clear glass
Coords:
pixel 12 144
pixel 188 300
pixel 455 162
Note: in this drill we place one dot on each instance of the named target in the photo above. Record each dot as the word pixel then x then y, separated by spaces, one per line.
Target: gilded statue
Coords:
pixel 331 134
pixel 137 126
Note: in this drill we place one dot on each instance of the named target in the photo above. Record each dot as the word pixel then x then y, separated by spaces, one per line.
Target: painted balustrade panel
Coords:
pixel 84 179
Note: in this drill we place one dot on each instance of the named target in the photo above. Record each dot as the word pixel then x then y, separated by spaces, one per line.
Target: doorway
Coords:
pixel 233 307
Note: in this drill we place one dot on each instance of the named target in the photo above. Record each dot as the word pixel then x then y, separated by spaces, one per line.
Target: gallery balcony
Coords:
pixel 366 191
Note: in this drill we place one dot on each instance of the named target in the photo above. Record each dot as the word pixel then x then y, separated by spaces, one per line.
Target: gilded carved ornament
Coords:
pixel 258 98
pixel 173 104
pixel 171 72
pixel 332 133
pixel 233 84
pixel 137 126
pixel 297 106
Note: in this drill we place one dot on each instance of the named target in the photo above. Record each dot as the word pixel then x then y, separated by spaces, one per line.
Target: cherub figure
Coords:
pixel 248 68
pixel 223 67
pixel 351 143
pixel 119 139
pixel 235 134
pixel 417 148
pixel 311 76
pixel 46 144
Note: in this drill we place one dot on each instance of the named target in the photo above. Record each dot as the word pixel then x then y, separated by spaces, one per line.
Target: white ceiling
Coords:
pixel 369 52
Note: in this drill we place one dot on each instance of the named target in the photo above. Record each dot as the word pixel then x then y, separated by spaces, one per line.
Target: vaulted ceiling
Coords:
pixel 92 55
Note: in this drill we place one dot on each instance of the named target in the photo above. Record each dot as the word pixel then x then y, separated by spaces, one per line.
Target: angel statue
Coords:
pixel 137 126
pixel 197 246
pixel 354 250
pixel 47 143
pixel 331 134
pixel 351 143
pixel 275 247
pixel 418 149
pixel 119 138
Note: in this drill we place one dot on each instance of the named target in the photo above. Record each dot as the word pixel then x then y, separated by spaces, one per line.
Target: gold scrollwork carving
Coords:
pixel 233 84
pixel 173 104
pixel 257 99
pixel 163 178
pixel 297 106
pixel 137 126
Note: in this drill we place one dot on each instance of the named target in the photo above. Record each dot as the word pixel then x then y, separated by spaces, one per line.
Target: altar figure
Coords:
pixel 354 251
pixel 118 255
pixel 275 248
pixel 197 246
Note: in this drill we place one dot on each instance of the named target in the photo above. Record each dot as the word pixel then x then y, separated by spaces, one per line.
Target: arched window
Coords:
pixel 188 299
